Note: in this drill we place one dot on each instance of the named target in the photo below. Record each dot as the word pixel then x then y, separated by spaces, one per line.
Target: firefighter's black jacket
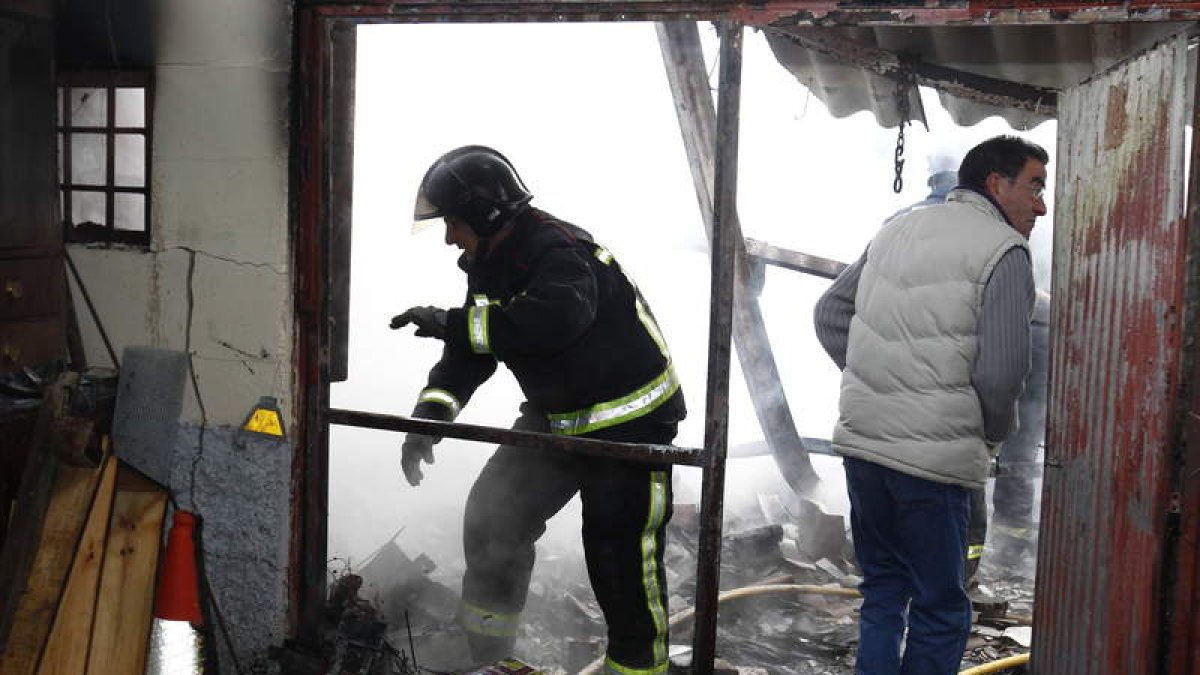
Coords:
pixel 556 309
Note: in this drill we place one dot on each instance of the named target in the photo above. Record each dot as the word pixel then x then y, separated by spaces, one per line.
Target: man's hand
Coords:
pixel 416 449
pixel 430 321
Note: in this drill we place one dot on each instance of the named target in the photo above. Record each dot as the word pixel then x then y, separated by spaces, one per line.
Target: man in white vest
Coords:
pixel 931 330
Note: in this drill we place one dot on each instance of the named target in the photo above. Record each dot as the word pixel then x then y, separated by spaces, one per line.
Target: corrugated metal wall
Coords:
pixel 1116 327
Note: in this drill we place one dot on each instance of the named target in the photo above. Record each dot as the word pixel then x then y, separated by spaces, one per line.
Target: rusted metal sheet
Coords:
pixel 909 70
pixel 1119 267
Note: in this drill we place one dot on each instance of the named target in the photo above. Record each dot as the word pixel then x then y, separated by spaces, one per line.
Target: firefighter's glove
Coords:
pixel 430 321
pixel 417 448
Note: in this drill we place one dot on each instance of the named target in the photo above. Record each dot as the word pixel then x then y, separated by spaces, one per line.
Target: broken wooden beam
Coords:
pixel 688 77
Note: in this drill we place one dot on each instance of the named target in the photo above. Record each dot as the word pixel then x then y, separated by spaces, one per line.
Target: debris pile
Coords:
pixel 788 602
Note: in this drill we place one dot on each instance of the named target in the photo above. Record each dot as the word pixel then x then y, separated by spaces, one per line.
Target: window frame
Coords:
pixel 110 81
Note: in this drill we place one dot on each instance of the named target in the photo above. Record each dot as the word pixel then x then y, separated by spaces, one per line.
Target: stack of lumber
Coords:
pixel 85 603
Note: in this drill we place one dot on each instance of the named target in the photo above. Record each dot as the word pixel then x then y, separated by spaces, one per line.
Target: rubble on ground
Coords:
pixel 784 540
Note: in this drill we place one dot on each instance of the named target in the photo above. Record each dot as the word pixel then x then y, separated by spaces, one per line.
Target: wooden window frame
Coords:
pixel 109 81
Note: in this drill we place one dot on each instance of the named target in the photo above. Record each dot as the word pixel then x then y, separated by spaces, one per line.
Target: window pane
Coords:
pixel 89 107
pixel 130 160
pixel 87 207
pixel 87 159
pixel 129 212
pixel 131 107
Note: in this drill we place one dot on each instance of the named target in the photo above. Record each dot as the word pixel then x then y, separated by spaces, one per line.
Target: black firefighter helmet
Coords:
pixel 473 183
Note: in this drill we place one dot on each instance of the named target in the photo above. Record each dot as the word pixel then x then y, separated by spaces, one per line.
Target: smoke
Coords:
pixel 606 155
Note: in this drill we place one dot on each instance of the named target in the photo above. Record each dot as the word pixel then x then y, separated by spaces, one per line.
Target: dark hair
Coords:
pixel 1005 155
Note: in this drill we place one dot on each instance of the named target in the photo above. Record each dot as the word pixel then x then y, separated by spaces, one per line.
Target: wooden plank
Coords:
pixel 70 636
pixel 70 500
pixel 794 260
pixel 125 602
pixel 31 501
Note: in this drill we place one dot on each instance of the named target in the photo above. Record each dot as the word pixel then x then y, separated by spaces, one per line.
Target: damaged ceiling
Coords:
pixel 1010 71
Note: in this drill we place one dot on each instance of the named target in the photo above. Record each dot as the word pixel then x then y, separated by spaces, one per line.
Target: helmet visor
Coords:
pixel 425 214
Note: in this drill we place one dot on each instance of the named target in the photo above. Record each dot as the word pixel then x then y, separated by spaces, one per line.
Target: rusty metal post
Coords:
pixel 720 339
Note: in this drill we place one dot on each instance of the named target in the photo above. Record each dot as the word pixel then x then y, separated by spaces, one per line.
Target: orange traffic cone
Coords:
pixel 175 641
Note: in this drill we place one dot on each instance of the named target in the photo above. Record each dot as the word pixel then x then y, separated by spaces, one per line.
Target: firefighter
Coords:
pixel 554 307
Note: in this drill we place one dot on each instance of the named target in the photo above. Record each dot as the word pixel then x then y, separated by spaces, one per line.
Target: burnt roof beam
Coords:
pixel 902 69
pixel 767 12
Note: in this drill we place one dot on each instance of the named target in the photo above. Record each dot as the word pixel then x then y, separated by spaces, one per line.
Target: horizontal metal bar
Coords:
pixel 792 260
pixel 638 452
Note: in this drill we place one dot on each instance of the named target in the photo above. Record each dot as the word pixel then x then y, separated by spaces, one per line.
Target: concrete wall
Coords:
pixel 220 234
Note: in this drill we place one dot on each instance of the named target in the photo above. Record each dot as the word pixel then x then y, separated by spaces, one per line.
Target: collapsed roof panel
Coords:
pixel 1011 71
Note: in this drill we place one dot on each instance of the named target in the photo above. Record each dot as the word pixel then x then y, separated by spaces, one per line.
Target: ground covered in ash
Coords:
pixel 796 615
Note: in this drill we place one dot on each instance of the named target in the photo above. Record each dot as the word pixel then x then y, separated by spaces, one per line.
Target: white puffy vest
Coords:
pixel 907 401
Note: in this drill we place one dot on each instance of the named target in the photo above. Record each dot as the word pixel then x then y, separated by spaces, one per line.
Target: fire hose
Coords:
pixel 594 667
pixel 998 665
pixel 679 618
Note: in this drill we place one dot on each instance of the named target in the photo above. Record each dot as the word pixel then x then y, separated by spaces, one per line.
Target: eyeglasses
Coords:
pixel 1038 192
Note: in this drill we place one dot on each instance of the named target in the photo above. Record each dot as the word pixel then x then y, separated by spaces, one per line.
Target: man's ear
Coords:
pixel 992 184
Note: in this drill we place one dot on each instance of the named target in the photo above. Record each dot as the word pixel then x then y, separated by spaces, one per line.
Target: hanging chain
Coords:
pixel 902 107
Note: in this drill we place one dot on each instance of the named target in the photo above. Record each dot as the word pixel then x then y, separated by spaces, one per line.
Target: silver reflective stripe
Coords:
pixel 442 396
pixel 485 622
pixel 617 411
pixel 655 602
pixel 477 324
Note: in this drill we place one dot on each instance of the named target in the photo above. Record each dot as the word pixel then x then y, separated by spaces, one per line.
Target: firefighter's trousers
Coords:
pixel 626 506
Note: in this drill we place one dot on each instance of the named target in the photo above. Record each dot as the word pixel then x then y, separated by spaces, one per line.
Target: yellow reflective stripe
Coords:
pixel 613 668
pixel 651 326
pixel 602 254
pixel 649 545
pixel 617 411
pixel 974 551
pixel 484 622
pixel 434 395
pixel 477 325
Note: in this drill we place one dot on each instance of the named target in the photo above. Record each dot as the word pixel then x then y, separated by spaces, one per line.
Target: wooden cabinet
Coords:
pixel 32 282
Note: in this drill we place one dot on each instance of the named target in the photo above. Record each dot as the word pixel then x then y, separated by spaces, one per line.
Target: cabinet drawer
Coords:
pixel 30 287
pixel 31 342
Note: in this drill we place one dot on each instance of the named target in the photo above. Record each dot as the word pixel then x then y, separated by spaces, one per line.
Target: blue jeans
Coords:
pixel 910 538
